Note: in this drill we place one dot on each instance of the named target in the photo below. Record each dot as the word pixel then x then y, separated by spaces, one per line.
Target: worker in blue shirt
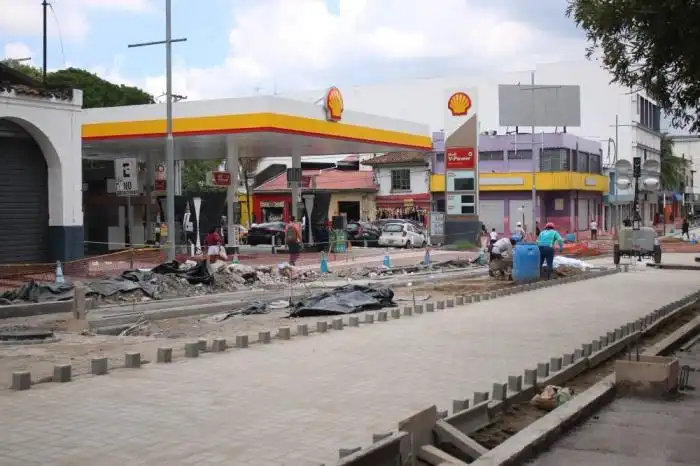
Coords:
pixel 545 241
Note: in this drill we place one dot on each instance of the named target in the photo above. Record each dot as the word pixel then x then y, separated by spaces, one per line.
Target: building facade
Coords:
pixel 688 147
pixel 41 180
pixel 626 123
pixel 403 179
pixel 568 180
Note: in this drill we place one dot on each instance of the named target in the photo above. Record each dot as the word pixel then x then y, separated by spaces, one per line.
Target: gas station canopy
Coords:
pixel 267 126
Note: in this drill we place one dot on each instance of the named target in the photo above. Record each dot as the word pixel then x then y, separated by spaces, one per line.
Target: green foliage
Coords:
pixel 672 167
pixel 194 176
pixel 650 45
pixel 96 91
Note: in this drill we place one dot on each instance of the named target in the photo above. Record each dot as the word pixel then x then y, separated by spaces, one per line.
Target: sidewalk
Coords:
pixel 295 403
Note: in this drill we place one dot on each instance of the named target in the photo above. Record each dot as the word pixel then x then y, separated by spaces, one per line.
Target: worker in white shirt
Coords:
pixel 493 237
pixel 519 232
pixel 501 258
pixel 594 230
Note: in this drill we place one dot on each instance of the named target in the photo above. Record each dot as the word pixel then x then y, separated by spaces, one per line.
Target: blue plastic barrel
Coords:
pixel 526 262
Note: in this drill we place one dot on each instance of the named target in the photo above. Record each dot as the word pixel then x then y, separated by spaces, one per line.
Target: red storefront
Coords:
pixel 272 207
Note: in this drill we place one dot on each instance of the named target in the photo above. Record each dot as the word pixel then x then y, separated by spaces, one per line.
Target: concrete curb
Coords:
pixel 559 370
pixel 195 349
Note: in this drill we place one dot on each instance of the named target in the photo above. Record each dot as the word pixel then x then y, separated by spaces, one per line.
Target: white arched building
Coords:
pixel 41 215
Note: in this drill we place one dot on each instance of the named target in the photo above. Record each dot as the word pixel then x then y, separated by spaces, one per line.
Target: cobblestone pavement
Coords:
pixel 295 403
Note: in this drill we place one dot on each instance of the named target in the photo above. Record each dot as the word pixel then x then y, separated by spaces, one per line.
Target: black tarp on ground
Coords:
pixel 35 292
pixel 346 299
pixel 194 276
pixel 128 281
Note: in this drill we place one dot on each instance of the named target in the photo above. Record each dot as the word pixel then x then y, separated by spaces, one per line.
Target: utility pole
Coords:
pixel 45 6
pixel 169 140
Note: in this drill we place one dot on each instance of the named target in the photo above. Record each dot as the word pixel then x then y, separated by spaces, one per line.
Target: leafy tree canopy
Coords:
pixel 673 169
pixel 650 45
pixel 96 91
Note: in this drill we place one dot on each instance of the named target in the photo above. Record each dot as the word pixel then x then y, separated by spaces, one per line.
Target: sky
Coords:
pixel 247 47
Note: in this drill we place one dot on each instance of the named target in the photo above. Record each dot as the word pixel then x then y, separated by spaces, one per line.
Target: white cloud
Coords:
pixel 294 44
pixel 24 17
pixel 17 50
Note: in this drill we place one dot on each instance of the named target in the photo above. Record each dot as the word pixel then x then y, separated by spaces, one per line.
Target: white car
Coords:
pixel 401 235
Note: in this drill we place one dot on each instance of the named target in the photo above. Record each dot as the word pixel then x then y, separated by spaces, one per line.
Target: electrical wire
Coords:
pixel 60 35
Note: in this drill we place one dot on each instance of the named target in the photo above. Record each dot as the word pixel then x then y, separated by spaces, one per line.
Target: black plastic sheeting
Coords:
pixel 35 292
pixel 194 276
pixel 346 299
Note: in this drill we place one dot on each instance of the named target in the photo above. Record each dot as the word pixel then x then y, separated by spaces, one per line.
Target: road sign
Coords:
pixel 126 177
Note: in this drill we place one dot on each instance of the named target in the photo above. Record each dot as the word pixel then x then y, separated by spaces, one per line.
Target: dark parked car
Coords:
pixel 359 232
pixel 264 232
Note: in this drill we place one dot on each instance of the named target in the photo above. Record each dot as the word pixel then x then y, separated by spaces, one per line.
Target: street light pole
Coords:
pixel 45 6
pixel 169 140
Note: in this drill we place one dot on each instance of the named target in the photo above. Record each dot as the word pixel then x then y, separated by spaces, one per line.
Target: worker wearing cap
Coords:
pixel 546 241
pixel 518 232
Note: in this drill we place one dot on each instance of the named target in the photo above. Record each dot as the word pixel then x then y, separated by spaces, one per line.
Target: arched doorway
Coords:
pixel 24 198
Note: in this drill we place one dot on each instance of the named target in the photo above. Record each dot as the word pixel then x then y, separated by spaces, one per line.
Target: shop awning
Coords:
pixel 394 201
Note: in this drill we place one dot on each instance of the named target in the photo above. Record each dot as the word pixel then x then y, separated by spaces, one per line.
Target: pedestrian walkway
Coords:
pixel 295 403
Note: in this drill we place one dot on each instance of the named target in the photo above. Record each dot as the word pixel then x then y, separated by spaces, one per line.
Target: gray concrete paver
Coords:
pixel 297 402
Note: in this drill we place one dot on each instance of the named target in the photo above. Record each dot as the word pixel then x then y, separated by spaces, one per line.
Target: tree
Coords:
pixel 649 45
pixel 672 167
pixel 97 92
pixel 194 176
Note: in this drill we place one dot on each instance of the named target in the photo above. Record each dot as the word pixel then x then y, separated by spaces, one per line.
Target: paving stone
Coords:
pixel 396 313
pixel 369 318
pixel 132 360
pixel 164 355
pixel 215 410
pixel 21 380
pixel 62 373
pixel 515 383
pixel 192 350
pixel 303 329
pixel 430 307
pixel 285 333
pixel 408 311
pixel 99 366
pixel 353 321
pixel 322 327
pixel 265 336
pixel 241 342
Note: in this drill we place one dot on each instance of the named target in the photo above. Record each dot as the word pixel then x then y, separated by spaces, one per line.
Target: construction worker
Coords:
pixel 501 258
pixel 518 232
pixel 546 241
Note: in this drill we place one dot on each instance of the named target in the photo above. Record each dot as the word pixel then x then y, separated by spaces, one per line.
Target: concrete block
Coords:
pixel 515 383
pixel 192 350
pixel 611 337
pixel 530 376
pixel 459 405
pixel 542 370
pixel 567 359
pixel 555 364
pixel 284 333
pixel 322 327
pixel 587 349
pixel 440 305
pixel 339 325
pixel 638 325
pixel 343 452
pixel 430 307
pixel 623 331
pixel 480 397
pixel 369 318
pixel 379 437
pixel 132 360
pixel 494 295
pixel 98 366
pixel 381 316
pixel 442 414
pixel 220 343
pixel 446 433
pixel 303 329
pixel 647 376
pixel 469 299
pixel 459 300
pixel 265 336
pixel 595 346
pixel 626 268
pixel 485 296
pixel 578 354
pixel 21 380
pixel 603 341
pixel 499 391
pixel 62 373
pixel 408 311
pixel 476 298
pixel 396 313
pixel 202 342
pixel 164 355
pixel 630 327
pixel 429 454
pixel 420 427
pixel 450 303
pixel 418 309
pixel 353 321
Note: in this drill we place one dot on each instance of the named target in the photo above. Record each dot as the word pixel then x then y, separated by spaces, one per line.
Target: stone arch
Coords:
pixel 53 161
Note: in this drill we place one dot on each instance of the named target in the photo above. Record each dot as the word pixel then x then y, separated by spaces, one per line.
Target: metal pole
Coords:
pixel 45 5
pixel 170 141
pixel 534 159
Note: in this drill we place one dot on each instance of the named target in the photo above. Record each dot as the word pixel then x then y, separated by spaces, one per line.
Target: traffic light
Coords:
pixel 637 167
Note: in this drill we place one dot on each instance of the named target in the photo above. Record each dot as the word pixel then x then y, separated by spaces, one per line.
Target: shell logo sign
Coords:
pixel 334 104
pixel 459 104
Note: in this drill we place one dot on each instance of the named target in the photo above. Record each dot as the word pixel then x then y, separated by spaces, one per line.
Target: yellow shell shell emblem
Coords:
pixel 334 104
pixel 459 104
